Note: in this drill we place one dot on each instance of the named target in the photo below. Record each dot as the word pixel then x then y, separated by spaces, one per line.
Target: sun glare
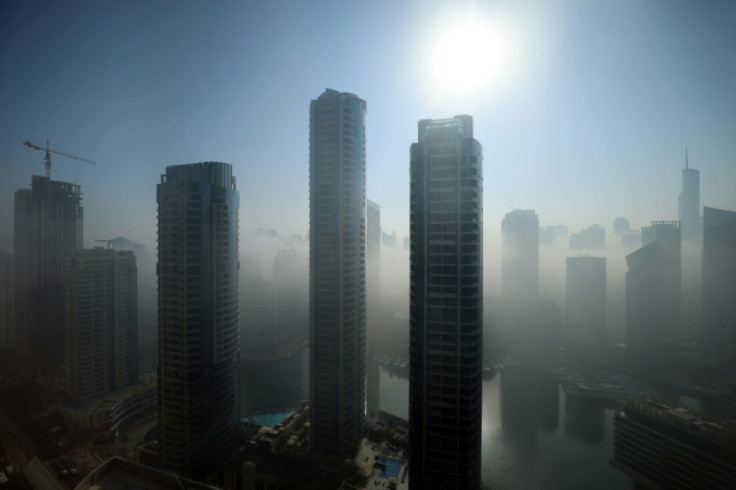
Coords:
pixel 467 57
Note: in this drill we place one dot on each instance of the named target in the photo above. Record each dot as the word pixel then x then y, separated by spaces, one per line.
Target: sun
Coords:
pixel 467 57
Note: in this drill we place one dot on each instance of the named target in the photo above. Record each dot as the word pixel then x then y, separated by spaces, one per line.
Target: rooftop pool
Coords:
pixel 269 419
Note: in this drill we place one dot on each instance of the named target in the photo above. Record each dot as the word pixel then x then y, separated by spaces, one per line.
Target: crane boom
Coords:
pixel 47 158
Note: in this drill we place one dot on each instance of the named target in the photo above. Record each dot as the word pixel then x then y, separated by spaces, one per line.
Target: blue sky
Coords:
pixel 585 120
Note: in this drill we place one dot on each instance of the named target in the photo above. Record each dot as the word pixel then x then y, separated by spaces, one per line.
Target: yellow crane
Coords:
pixel 47 158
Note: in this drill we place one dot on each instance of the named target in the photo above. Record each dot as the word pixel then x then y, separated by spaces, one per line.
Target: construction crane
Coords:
pixel 47 158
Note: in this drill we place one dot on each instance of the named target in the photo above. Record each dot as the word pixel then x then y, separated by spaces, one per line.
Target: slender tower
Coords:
pixel 689 203
pixel 337 235
pixel 446 310
pixel 198 331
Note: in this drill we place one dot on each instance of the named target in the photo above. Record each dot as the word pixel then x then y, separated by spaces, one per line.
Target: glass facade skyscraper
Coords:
pixel 198 407
pixel 337 235
pixel 446 309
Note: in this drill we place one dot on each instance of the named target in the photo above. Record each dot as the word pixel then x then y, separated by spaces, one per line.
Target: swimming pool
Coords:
pixel 270 419
pixel 388 467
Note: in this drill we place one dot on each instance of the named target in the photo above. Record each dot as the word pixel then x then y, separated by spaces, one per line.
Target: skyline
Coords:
pixel 140 87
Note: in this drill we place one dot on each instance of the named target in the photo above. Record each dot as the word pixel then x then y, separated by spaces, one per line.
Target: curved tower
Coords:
pixel 198 407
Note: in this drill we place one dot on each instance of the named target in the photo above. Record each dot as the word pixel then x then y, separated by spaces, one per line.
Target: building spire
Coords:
pixel 686 162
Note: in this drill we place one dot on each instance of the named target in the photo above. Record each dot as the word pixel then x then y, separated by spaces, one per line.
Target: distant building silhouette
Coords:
pixel 101 296
pixel 653 287
pixel 520 255
pixel 7 300
pixel 337 215
pixel 689 203
pixel 373 278
pixel 586 298
pixel 291 295
pixel 373 255
pixel 389 240
pixel 446 312
pixel 48 227
pixel 198 411
pixel 621 226
pixel 659 445
pixel 548 235
pixel 719 285
pixel 593 237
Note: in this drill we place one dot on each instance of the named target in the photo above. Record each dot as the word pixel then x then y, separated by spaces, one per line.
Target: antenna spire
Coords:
pixel 686 161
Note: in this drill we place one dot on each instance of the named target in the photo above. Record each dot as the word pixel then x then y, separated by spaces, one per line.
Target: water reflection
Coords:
pixel 527 444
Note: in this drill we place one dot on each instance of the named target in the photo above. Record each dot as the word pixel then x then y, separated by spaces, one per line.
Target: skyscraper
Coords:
pixel 337 235
pixel 689 202
pixel 446 310
pixel 101 321
pixel 199 408
pixel 520 255
pixel 653 287
pixel 719 285
pixel 586 298
pixel 660 445
pixel 48 227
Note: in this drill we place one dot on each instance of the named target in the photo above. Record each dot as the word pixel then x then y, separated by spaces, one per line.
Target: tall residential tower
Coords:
pixel 446 310
pixel 101 321
pixel 337 295
pixel 199 408
pixel 48 227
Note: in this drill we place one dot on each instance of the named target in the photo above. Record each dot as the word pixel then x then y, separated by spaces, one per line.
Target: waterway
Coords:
pixel 534 435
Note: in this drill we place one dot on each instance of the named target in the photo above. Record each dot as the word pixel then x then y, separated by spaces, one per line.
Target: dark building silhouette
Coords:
pixel 593 237
pixel 48 227
pixel 337 235
pixel 719 285
pixel 101 293
pixel 659 445
pixel 653 287
pixel 586 298
pixel 644 279
pixel 198 406
pixel 7 300
pixel 689 203
pixel 446 311
pixel 520 255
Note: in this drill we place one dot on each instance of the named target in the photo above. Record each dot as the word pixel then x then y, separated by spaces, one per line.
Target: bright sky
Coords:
pixel 583 108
